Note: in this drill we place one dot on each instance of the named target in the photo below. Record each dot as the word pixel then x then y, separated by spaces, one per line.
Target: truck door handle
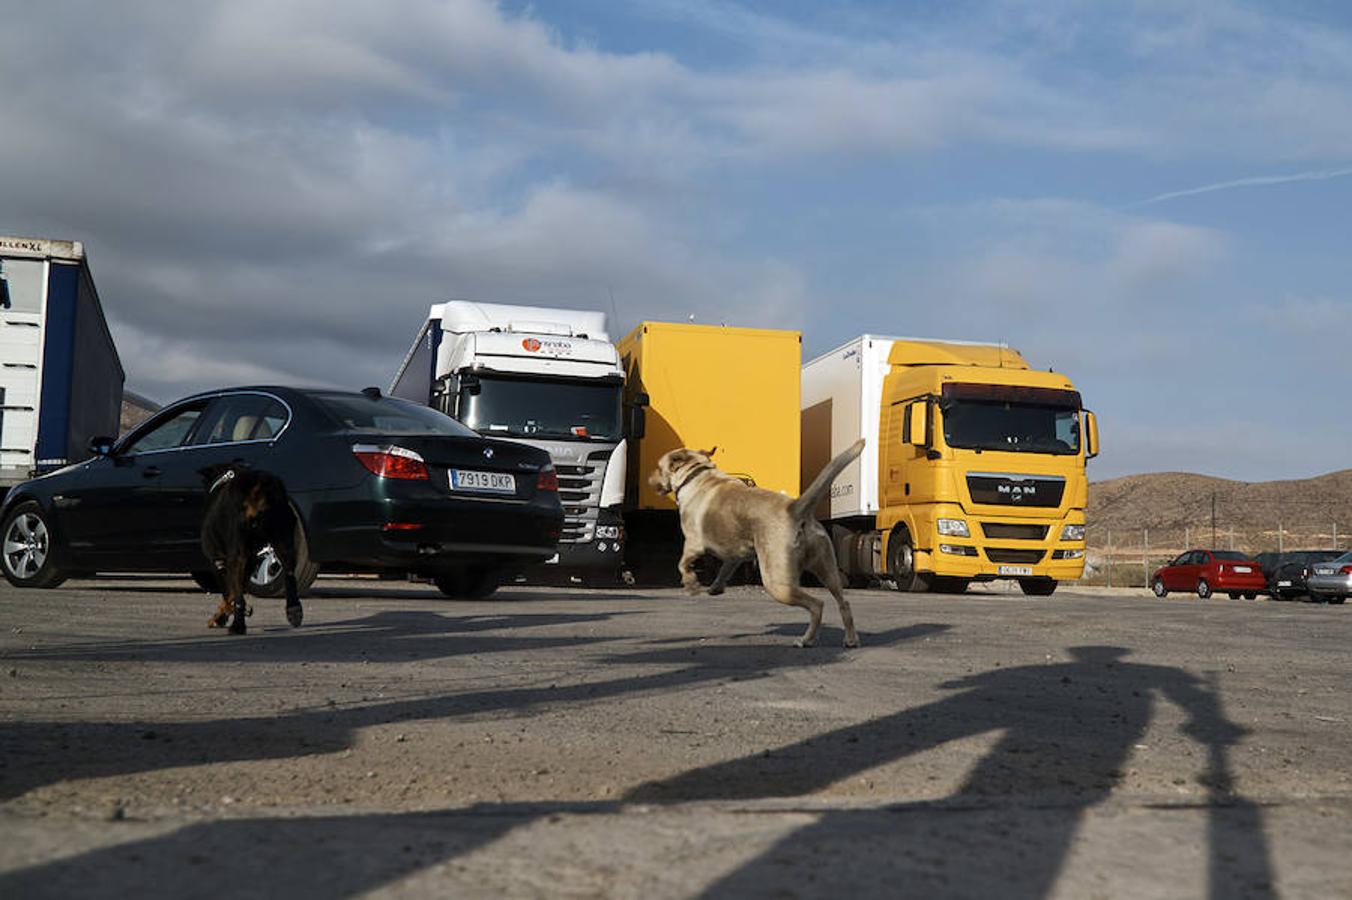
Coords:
pixel 151 472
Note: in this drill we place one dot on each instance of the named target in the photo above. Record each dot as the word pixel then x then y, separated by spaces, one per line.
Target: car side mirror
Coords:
pixel 102 445
pixel 1091 438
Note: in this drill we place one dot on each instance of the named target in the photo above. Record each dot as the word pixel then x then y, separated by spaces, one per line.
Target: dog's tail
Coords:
pixel 802 507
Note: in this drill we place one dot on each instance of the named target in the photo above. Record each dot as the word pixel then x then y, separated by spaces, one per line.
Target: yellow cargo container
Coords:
pixel 734 388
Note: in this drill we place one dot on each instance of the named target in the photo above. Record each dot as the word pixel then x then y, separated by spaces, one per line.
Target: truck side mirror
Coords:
pixel 1091 438
pixel 640 399
pixel 917 424
pixel 469 383
pixel 638 422
pixel 101 445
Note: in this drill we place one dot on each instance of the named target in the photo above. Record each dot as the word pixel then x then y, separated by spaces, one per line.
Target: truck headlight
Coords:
pixel 1072 533
pixel 953 527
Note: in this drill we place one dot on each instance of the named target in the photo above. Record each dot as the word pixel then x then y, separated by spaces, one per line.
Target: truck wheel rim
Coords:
pixel 26 546
pixel 268 568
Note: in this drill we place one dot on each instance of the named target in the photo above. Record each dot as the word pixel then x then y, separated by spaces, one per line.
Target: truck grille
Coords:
pixel 580 494
pixel 1005 555
pixel 1006 532
pixel 1001 489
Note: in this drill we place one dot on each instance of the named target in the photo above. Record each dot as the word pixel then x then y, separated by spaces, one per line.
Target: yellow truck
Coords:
pixel 704 386
pixel 974 467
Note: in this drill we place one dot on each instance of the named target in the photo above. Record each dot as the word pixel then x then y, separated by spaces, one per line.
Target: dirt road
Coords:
pixel 645 744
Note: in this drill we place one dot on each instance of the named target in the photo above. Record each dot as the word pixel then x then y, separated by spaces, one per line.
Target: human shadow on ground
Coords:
pixel 1067 730
pixel 34 753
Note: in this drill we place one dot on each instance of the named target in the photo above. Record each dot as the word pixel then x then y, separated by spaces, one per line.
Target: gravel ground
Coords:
pixel 556 742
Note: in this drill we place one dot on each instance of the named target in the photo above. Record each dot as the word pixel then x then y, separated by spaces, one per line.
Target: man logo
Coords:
pixel 531 345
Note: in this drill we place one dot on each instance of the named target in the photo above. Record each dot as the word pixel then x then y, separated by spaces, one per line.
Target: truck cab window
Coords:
pixel 545 408
pixel 1011 427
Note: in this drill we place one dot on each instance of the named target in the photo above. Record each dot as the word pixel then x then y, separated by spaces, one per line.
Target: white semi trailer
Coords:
pixel 60 376
pixel 550 378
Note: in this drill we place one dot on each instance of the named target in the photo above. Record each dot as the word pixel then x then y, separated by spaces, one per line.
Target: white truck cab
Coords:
pixel 546 377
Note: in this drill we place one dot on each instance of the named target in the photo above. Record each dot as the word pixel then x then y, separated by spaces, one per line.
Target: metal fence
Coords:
pixel 1125 557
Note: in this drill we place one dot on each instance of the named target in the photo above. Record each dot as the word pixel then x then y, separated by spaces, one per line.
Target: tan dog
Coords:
pixel 723 516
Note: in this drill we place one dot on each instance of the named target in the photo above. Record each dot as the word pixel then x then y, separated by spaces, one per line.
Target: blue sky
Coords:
pixel 1153 197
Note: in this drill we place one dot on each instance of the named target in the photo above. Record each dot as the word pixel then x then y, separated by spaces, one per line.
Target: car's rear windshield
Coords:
pixel 357 412
pixel 1229 555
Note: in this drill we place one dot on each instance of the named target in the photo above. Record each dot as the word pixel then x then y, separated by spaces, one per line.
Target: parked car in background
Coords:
pixel 378 485
pixel 1288 572
pixel 1209 571
pixel 1331 581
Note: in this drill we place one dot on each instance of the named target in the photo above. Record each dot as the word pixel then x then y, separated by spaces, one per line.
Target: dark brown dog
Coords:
pixel 247 511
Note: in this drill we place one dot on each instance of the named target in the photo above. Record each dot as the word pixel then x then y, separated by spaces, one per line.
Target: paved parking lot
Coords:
pixel 642 743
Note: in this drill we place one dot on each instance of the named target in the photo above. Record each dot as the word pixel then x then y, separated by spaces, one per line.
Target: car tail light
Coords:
pixel 548 480
pixel 391 462
pixel 1346 570
pixel 401 526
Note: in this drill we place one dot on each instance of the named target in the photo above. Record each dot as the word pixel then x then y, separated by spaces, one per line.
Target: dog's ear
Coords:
pixel 711 451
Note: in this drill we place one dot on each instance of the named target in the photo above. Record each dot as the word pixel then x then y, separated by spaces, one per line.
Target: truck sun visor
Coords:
pixel 1009 393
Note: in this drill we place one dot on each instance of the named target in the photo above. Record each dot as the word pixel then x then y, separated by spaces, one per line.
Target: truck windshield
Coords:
pixel 1011 427
pixel 522 407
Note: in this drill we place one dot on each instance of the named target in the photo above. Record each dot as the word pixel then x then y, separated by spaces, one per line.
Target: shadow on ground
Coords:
pixel 1066 729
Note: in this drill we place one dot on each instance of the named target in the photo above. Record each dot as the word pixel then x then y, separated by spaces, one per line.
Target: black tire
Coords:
pixel 950 584
pixel 1250 596
pixel 27 543
pixel 469 583
pixel 1337 600
pixel 901 565
pixel 1233 595
pixel 266 578
pixel 1203 589
pixel 1038 587
pixel 1159 588
pixel 207 580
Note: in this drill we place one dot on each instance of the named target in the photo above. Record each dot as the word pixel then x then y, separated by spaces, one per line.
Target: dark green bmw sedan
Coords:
pixel 378 485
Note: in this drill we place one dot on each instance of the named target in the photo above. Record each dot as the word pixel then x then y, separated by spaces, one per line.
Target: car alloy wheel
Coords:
pixel 1203 589
pixel 1158 588
pixel 26 545
pixel 26 549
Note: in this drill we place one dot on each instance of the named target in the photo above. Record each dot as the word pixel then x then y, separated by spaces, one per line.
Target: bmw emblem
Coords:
pixel 488 452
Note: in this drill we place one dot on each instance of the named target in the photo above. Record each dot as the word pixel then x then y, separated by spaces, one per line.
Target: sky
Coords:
pixel 1154 198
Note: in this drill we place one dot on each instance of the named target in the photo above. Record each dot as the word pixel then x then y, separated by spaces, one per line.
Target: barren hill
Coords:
pixel 1176 507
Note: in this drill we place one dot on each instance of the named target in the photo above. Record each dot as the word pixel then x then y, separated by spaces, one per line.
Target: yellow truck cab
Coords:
pixel 976 466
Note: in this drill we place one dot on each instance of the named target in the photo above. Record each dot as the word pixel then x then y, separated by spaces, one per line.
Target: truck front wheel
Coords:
pixel 901 565
pixel 1038 587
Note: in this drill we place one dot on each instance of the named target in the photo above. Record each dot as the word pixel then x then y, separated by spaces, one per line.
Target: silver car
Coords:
pixel 1332 580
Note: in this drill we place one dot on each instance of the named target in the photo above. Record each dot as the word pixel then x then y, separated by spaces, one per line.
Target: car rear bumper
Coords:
pixel 1238 582
pixel 1338 584
pixel 432 533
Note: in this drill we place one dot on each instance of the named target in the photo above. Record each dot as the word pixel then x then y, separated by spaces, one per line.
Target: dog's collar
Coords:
pixel 225 476
pixel 703 467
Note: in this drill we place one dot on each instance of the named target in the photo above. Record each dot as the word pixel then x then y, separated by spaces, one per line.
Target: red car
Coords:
pixel 1208 571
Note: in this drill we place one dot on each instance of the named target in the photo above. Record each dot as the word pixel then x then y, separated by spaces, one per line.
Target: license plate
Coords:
pixel 1016 570
pixel 1283 584
pixel 1323 570
pixel 1245 569
pixel 492 482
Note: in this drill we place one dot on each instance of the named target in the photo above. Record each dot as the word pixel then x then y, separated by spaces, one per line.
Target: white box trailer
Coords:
pixel 60 376
pixel 841 396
